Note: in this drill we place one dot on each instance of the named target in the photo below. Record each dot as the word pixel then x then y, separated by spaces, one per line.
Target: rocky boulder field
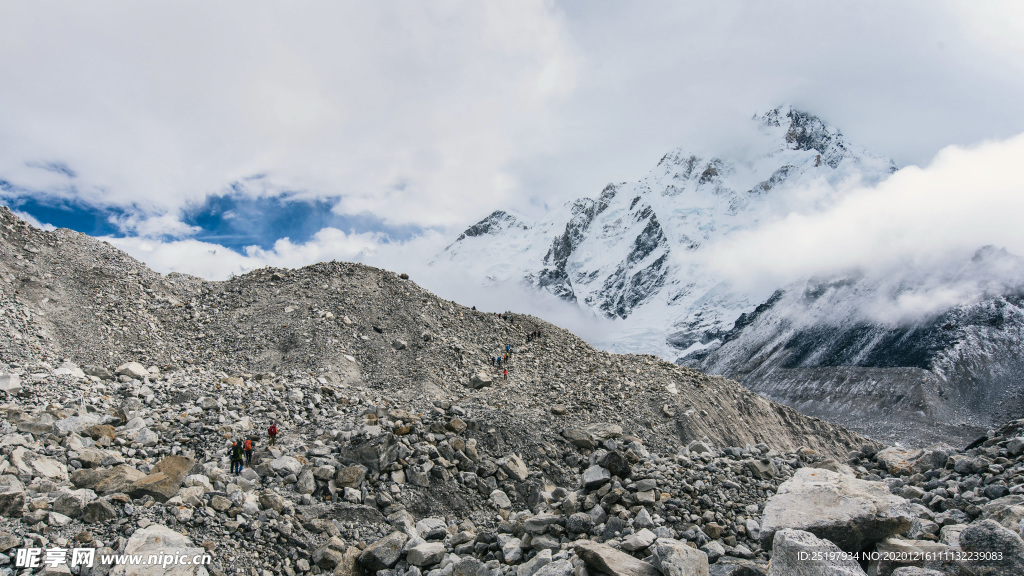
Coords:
pixel 403 452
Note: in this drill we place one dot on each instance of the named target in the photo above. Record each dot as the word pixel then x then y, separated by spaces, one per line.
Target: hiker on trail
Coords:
pixel 247 448
pixel 272 434
pixel 505 374
pixel 235 455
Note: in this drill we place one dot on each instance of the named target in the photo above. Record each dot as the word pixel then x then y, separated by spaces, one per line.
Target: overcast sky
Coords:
pixel 214 137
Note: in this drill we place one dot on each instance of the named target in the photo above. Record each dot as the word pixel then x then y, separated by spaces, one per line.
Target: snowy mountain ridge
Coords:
pixel 839 348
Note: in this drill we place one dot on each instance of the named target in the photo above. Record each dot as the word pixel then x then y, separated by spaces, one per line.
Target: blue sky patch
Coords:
pixel 234 220
pixel 91 219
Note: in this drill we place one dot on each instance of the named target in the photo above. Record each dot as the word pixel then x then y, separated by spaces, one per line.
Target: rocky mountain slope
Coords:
pixel 69 296
pixel 402 454
pixel 636 252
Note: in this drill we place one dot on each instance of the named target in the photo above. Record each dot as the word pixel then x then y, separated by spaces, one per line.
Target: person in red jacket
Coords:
pixel 272 433
pixel 247 448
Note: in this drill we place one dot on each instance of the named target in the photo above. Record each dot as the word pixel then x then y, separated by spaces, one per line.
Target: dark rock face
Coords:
pixel 807 132
pixel 955 373
pixel 633 281
pixel 493 224
pixel 640 275
pixel 553 276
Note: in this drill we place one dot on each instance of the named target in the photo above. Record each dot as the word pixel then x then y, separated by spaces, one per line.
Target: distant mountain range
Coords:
pixel 637 255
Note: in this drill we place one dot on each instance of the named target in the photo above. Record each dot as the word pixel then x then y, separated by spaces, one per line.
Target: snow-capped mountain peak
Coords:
pixel 635 251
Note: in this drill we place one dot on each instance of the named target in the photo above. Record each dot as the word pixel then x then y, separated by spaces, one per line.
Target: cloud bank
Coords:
pixel 404 110
pixel 434 114
pixel 917 235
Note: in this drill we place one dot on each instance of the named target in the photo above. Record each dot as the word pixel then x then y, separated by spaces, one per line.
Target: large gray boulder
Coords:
pixel 851 513
pixel 800 553
pixel 12 496
pixel 611 561
pixel 98 458
pixel 595 477
pixel 107 480
pixel 529 568
pixel 161 541
pixel 383 553
pixel 481 380
pixel 350 476
pixel 8 541
pixel 330 555
pixel 164 481
pixel 556 568
pixel 514 466
pixel 76 424
pixel 675 558
pixel 579 438
pixel 896 553
pixel 286 465
pixel 32 464
pixel 306 483
pixel 10 383
pixel 604 431
pixel 72 503
pixel 98 511
pixel 1008 511
pixel 988 538
pixel 132 370
pixel 425 554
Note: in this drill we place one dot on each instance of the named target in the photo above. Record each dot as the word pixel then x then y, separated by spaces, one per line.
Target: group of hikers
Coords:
pixel 239 452
pixel 502 361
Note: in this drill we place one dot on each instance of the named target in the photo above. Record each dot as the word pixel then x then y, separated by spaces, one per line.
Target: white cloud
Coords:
pixel 161 104
pixel 215 262
pixel 154 226
pixel 203 259
pixel 437 113
pixel 919 228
